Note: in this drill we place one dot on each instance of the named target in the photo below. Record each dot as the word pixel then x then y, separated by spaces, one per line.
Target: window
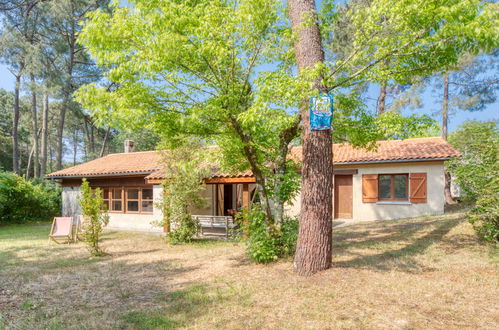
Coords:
pixel 105 198
pixel 128 199
pixel 147 200
pixel 116 200
pixel 392 187
pixel 132 200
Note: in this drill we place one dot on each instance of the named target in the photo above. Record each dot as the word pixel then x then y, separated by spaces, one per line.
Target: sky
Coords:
pixel 431 104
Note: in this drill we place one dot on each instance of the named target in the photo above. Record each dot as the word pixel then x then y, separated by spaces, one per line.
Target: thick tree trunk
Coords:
pixel 313 252
pixel 34 114
pixel 45 115
pixel 382 99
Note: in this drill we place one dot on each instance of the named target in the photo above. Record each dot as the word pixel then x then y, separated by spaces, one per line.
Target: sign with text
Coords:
pixel 321 112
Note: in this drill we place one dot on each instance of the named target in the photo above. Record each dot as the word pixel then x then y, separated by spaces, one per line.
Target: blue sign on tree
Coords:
pixel 321 112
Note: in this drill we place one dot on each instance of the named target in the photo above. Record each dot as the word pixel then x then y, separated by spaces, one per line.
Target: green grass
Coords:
pixel 414 273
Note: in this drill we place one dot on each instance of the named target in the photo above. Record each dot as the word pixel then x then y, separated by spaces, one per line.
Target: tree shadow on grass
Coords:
pixel 397 244
pixel 183 306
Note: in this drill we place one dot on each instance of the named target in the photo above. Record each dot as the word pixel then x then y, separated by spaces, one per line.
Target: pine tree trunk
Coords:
pixel 45 115
pixel 445 122
pixel 34 114
pixel 313 252
pixel 104 142
pixel 445 107
pixel 60 133
pixel 15 128
pixel 68 90
pixel 382 99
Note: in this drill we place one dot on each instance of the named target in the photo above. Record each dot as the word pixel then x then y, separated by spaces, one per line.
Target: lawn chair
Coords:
pixel 62 229
pixel 78 224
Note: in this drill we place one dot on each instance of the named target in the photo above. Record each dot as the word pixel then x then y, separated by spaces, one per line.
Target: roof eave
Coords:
pixel 80 176
pixel 393 161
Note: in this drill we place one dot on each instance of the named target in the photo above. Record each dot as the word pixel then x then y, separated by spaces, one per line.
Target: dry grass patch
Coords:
pixel 416 273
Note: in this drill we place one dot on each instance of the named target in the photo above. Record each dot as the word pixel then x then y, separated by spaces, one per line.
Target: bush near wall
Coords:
pixel 24 201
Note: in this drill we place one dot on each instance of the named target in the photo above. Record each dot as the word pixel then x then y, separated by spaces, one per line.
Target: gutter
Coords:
pixel 392 161
pixel 98 175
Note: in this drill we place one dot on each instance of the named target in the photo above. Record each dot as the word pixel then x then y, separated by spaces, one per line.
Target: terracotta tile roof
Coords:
pixel 392 150
pixel 148 162
pixel 114 164
pixel 160 174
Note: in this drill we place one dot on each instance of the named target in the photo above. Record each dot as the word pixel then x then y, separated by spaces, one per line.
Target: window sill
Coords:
pixel 394 203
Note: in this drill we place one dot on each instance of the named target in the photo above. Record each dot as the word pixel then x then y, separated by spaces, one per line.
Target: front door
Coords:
pixel 343 196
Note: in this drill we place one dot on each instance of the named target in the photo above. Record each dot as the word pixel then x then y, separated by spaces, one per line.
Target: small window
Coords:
pixel 105 198
pixel 147 200
pixel 132 199
pixel 393 187
pixel 116 201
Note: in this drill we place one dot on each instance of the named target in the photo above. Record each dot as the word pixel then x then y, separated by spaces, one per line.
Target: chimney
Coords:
pixel 129 146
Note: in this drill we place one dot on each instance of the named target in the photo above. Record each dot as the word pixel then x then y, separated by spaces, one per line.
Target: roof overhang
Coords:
pixel 98 175
pixel 393 161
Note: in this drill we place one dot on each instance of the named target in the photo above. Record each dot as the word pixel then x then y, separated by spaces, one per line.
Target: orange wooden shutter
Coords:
pixel 369 188
pixel 417 187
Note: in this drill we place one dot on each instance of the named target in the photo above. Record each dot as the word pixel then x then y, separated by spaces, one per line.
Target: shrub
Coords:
pixel 478 143
pixel 268 242
pixel 485 215
pixel 187 228
pixel 23 201
pixel 95 217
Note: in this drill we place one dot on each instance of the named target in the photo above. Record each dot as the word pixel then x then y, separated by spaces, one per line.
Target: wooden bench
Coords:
pixel 214 222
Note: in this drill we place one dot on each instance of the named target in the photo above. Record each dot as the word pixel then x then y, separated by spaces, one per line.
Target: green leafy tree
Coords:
pixel 185 169
pixel 225 72
pixel 485 215
pixel 24 201
pixel 478 142
pixel 94 217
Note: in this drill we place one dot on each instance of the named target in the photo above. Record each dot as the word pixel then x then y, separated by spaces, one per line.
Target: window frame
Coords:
pixel 112 199
pixel 124 198
pixel 392 188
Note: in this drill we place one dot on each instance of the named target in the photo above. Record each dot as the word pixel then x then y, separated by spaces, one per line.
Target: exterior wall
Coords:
pixel 117 221
pixel 209 208
pixel 70 201
pixel 392 210
pixel 139 222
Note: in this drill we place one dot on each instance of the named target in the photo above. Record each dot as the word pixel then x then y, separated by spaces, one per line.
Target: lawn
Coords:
pixel 408 274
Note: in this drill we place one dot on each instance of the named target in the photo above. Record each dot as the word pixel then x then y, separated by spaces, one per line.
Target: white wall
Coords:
pixel 382 211
pixel 117 221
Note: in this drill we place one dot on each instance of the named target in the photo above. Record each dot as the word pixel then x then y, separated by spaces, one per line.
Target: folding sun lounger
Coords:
pixel 62 229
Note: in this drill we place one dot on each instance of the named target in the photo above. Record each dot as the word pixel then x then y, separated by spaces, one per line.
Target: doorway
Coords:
pixel 343 201
pixel 224 199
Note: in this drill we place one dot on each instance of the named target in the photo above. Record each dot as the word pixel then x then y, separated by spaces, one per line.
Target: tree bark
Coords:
pixel 15 128
pixel 313 252
pixel 445 122
pixel 104 142
pixel 68 89
pixel 382 99
pixel 34 114
pixel 45 115
pixel 445 107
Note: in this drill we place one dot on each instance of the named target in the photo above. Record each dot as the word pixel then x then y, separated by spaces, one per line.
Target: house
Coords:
pixel 400 179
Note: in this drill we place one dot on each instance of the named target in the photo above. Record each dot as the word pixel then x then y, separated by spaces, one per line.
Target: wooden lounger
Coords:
pixel 62 230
